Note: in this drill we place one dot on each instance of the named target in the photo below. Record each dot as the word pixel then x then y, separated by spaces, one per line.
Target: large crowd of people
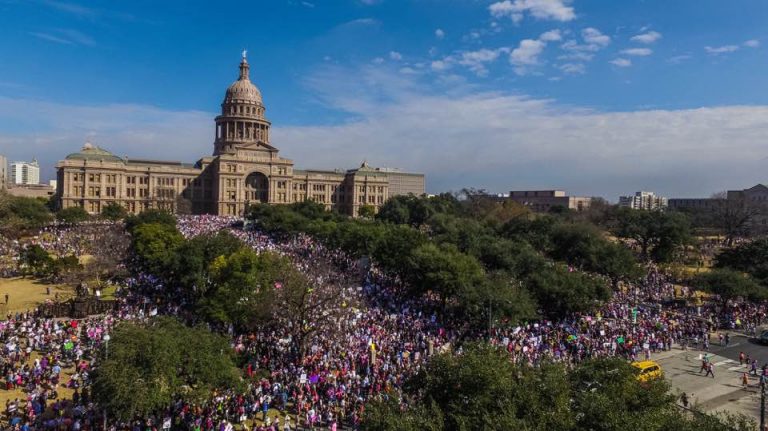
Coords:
pixel 371 345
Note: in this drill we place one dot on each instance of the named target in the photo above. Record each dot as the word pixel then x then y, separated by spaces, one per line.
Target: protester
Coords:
pixel 376 341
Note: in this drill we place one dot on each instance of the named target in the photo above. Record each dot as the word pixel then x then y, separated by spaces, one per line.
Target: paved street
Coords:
pixel 724 391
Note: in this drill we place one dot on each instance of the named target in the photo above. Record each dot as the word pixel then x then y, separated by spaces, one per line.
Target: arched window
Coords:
pixel 257 188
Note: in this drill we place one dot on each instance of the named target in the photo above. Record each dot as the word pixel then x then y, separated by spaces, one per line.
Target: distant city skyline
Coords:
pixel 596 98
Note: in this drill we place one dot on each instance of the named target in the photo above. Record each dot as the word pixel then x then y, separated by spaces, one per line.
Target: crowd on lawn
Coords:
pixel 368 344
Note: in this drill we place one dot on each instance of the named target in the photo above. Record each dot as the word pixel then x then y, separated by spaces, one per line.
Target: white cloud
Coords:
pixel 394 55
pixel 594 40
pixel 440 65
pixel 476 60
pixel 439 33
pixel 377 60
pixel 395 122
pixel 556 10
pixel 138 131
pixel 721 49
pixel 681 153
pixel 573 68
pixel 65 36
pixel 637 52
pixel 593 36
pixel 752 43
pixel 527 53
pixel 551 36
pixel 649 37
pixel 621 62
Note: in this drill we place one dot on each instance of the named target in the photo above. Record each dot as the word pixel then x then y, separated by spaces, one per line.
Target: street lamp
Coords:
pixel 106 344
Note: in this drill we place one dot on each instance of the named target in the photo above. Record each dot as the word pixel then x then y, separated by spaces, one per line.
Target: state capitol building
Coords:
pixel 244 169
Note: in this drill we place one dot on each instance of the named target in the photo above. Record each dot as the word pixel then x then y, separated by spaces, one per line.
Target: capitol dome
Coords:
pixel 243 90
pixel 94 153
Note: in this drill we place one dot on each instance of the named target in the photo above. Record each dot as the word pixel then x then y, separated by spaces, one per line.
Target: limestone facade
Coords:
pixel 244 169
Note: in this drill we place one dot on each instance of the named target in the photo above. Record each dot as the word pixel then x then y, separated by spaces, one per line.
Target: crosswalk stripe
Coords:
pixel 738 367
pixel 727 361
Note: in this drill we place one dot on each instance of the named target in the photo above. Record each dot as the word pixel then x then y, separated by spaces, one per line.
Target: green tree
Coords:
pixel 65 265
pixel 72 215
pixel 658 233
pixel 113 211
pixel 394 246
pixel 585 246
pixel 149 216
pixel 481 389
pixel 366 211
pixel 395 210
pixel 20 213
pixel 156 247
pixel 243 287
pixel 34 260
pixel 750 257
pixel 729 284
pixel 194 259
pixel 561 291
pixel 444 270
pixel 147 367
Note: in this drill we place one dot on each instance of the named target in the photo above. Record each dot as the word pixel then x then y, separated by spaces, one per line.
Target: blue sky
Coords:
pixel 596 97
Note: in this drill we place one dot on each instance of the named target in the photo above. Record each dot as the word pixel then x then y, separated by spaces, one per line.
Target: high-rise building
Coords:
pixel 25 172
pixel 643 201
pixel 244 169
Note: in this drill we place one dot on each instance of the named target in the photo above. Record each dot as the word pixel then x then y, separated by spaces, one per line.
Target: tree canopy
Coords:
pixel 730 284
pixel 750 257
pixel 20 213
pixel 658 234
pixel 113 211
pixel 482 389
pixel 72 215
pixel 146 367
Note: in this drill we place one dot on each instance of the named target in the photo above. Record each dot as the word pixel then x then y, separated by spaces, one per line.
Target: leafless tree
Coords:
pixel 313 302
pixel 734 216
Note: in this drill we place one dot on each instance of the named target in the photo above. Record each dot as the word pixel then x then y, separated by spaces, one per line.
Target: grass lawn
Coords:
pixel 27 293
